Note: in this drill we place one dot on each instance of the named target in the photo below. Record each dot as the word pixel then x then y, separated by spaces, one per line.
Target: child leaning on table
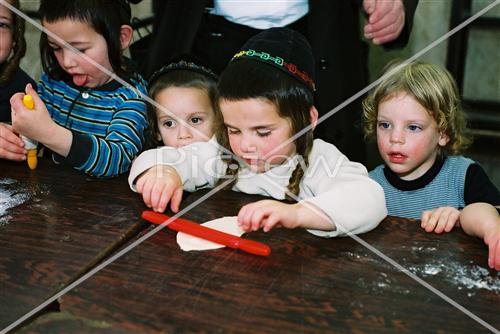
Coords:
pixel 265 98
pixel 87 118
pixel 12 78
pixel 416 117
pixel 185 93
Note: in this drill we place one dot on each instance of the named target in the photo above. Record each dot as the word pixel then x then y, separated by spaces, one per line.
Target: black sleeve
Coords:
pixel 479 188
pixel 80 151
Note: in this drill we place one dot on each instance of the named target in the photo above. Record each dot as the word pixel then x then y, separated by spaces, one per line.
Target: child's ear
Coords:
pixel 313 113
pixel 126 34
pixel 443 139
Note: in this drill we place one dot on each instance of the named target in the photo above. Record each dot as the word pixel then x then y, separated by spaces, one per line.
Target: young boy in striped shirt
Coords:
pixel 85 115
pixel 416 117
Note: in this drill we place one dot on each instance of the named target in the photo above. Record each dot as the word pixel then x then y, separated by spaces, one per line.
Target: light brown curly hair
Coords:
pixel 433 88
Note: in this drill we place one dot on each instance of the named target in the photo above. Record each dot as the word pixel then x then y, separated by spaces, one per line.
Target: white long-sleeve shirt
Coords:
pixel 339 187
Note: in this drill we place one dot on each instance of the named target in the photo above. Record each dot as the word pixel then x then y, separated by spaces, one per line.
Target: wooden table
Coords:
pixel 307 284
pixel 54 223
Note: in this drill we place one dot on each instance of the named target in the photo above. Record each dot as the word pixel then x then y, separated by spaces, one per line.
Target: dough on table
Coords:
pixel 224 224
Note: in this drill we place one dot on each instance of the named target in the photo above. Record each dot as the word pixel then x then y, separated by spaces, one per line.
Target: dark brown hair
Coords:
pixel 11 64
pixel 247 79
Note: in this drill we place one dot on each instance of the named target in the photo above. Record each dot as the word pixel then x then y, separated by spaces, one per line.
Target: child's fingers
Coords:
pixel 159 189
pixel 452 220
pixel 175 202
pixel 425 218
pixel 139 185
pixel 494 254
pixel 146 193
pixel 36 99
pixel 442 221
pixel 16 107
pixel 449 224
pixel 257 218
pixel 271 222
pixel 432 221
pixel 447 219
pixel 244 217
pixel 239 218
pixel 249 219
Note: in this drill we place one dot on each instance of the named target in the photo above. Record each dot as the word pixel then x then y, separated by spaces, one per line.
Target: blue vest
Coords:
pixel 446 189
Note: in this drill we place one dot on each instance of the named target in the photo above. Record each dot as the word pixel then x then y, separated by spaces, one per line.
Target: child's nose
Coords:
pixel 68 58
pixel 184 132
pixel 397 137
pixel 246 144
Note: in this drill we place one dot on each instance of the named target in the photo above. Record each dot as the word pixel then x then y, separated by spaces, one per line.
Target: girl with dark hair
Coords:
pixel 185 94
pixel 266 121
pixel 12 78
pixel 89 111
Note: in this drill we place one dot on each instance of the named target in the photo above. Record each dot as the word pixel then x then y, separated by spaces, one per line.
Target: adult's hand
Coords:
pixel 386 19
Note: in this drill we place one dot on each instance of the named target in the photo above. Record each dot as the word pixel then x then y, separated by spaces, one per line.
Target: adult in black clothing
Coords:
pixel 16 83
pixel 333 30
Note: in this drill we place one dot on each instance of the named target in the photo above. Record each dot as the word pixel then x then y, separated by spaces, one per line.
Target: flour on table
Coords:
pixel 224 224
pixel 12 194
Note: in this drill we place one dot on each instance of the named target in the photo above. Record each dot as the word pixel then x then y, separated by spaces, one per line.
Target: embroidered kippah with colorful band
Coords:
pixel 278 62
pixel 182 65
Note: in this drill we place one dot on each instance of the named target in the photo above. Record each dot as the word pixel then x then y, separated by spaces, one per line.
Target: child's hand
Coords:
pixel 11 146
pixel 440 219
pixel 492 239
pixel 35 124
pixel 267 214
pixel 159 185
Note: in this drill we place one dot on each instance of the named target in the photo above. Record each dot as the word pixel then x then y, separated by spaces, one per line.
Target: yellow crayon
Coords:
pixel 32 158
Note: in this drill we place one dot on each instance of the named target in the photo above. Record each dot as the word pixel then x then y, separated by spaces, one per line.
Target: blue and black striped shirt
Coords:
pixel 107 122
pixel 455 181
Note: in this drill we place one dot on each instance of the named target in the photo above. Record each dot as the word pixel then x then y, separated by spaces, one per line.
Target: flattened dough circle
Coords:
pixel 224 224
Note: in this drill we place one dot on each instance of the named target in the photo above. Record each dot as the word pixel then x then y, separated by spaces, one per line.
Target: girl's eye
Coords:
pixel 384 125
pixel 414 127
pixel 169 123
pixel 263 133
pixel 196 120
pixel 55 48
pixel 232 131
pixel 4 25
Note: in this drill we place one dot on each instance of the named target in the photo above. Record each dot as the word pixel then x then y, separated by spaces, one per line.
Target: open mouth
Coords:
pixel 397 157
pixel 250 160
